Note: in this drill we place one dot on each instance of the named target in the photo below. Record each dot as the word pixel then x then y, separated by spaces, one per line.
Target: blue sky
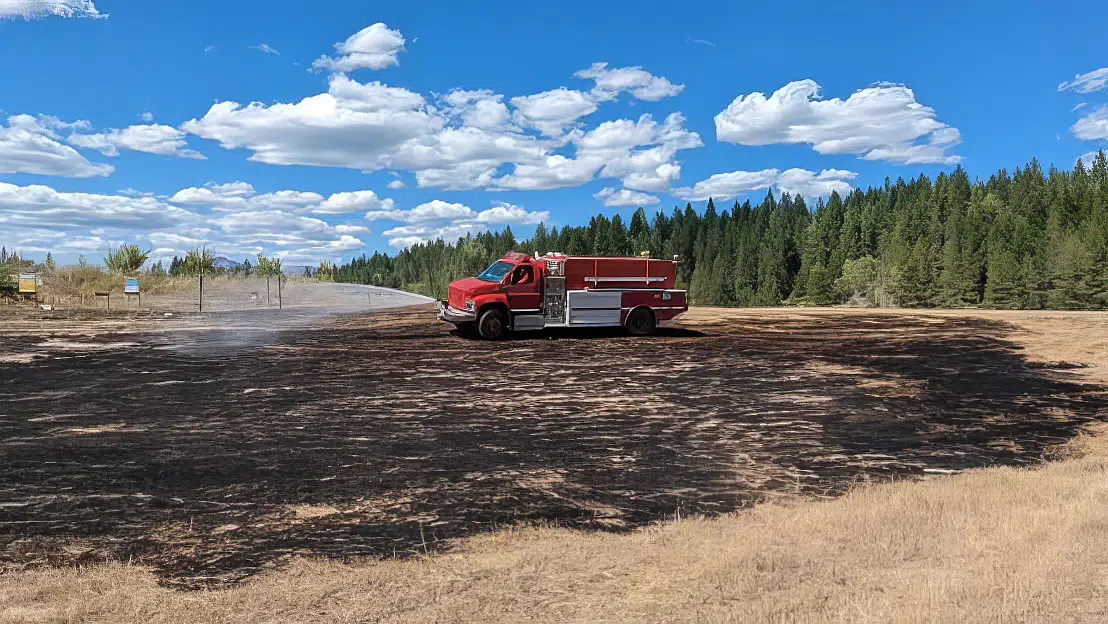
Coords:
pixel 380 124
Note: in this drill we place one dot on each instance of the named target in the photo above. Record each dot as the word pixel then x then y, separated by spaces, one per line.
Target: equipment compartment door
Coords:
pixel 594 308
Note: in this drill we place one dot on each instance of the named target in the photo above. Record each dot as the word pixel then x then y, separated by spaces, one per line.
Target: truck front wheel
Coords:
pixel 641 322
pixel 493 324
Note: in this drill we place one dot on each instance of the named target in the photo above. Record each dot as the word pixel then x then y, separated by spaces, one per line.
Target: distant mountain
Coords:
pixel 226 264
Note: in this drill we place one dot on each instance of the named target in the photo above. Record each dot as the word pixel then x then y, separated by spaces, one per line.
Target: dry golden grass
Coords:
pixel 76 286
pixel 991 545
pixel 994 545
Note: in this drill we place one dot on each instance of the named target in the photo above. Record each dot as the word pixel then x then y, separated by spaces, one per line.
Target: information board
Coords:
pixel 28 283
pixel 131 287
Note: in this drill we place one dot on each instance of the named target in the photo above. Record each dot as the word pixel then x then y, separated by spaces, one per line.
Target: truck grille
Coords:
pixel 455 298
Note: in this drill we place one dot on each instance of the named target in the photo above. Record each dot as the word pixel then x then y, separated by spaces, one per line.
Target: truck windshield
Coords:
pixel 496 272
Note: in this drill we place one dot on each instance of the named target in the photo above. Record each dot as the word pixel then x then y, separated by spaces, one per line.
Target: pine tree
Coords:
pixel 541 240
pixel 620 242
pixel 1005 287
pixel 641 236
pixel 1023 239
pixel 1074 274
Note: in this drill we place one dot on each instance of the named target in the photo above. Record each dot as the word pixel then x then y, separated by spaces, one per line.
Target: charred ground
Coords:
pixel 215 452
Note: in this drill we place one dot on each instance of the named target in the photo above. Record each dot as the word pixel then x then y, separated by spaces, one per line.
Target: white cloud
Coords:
pixel 404 242
pixel 795 181
pixel 31 145
pixel 436 210
pixel 342 228
pixel 375 47
pixel 634 80
pixel 332 249
pixel 406 236
pixel 396 184
pixel 274 225
pixel 1087 159
pixel 882 122
pixel 151 139
pixel 641 153
pixel 553 172
pixel 551 112
pixel 809 184
pixel 651 164
pixel 42 206
pixel 504 213
pixel 374 96
pixel 465 140
pixel 351 126
pixel 242 197
pixel 449 221
pixel 457 177
pixel 148 117
pixel 35 9
pixel 1093 126
pixel 620 134
pixel 625 198
pixel 406 231
pixel 726 185
pixel 265 48
pixel 292 201
pixel 479 109
pixel 1087 83
pixel 231 196
pixel 355 201
pixel 231 219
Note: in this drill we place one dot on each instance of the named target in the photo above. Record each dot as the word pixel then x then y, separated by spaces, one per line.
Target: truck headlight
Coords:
pixel 468 305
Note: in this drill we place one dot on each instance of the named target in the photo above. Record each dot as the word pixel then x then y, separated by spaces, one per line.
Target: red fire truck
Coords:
pixel 521 293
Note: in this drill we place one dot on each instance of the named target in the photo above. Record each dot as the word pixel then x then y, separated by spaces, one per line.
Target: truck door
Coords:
pixel 523 290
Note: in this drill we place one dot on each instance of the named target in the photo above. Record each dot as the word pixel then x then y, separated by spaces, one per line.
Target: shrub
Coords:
pixel 126 259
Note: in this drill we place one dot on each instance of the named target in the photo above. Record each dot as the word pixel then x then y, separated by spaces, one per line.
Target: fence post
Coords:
pixel 280 300
pixel 201 291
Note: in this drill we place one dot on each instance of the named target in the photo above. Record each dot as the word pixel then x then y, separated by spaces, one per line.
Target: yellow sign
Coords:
pixel 28 283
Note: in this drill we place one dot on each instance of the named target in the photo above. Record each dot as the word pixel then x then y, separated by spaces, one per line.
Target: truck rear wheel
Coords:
pixel 641 322
pixel 493 324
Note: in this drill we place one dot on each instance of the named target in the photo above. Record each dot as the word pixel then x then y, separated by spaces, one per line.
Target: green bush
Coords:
pixel 126 260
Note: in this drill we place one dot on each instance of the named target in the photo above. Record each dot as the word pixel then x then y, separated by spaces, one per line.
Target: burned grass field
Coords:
pixel 211 452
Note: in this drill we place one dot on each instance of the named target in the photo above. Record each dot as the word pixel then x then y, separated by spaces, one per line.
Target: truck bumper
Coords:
pixel 454 315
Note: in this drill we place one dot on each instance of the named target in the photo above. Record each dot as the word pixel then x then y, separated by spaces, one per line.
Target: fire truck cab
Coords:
pixel 521 293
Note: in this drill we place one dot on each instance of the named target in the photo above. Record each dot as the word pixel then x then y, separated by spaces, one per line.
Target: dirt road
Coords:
pixel 211 450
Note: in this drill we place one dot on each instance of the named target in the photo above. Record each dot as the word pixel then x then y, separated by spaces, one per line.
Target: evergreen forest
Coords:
pixel 1023 239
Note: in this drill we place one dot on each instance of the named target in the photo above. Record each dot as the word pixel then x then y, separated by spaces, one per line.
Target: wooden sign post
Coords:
pixel 28 285
pixel 131 287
